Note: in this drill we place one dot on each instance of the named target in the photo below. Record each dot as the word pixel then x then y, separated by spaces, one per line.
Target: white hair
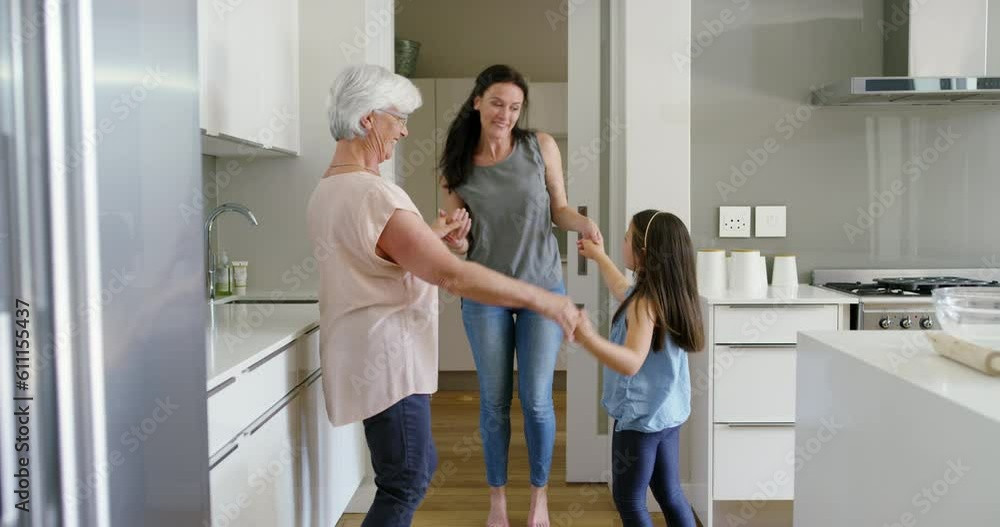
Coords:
pixel 363 88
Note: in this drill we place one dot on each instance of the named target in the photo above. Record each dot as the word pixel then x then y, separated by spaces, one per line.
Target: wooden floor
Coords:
pixel 459 495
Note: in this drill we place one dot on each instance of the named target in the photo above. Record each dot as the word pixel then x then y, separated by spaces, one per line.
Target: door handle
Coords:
pixel 581 262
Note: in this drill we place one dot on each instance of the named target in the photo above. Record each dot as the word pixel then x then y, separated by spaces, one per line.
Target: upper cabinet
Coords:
pixel 249 66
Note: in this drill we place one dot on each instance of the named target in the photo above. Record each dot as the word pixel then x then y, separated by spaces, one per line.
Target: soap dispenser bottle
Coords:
pixel 223 278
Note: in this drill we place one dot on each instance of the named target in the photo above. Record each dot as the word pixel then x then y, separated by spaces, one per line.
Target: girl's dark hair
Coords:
pixel 463 134
pixel 665 278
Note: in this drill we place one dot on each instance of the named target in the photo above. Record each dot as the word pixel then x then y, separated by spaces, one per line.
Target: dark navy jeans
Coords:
pixel 404 459
pixel 649 460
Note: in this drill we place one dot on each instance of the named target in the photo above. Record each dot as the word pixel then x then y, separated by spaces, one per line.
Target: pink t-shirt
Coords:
pixel 378 323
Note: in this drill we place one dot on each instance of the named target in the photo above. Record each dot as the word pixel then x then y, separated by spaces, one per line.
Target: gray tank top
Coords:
pixel 511 221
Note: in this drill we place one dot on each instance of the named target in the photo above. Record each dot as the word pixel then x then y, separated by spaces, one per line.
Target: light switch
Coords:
pixel 769 222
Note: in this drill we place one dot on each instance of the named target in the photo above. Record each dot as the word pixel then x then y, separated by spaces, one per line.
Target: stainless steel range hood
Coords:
pixel 934 52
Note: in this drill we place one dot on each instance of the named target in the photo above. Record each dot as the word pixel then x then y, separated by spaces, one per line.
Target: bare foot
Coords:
pixel 538 514
pixel 498 508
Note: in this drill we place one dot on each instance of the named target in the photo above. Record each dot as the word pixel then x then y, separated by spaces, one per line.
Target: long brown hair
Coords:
pixel 665 277
pixel 464 131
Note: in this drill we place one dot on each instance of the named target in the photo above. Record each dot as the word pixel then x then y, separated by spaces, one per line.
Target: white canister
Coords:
pixel 711 269
pixel 240 277
pixel 760 288
pixel 785 273
pixel 746 272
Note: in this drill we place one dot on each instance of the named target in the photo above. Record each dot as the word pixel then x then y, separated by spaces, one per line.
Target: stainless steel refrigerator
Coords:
pixel 102 309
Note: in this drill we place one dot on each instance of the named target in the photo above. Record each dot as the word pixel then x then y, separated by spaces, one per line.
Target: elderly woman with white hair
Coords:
pixel 380 268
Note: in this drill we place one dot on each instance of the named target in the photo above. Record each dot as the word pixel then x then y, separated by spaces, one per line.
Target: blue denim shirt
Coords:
pixel 657 397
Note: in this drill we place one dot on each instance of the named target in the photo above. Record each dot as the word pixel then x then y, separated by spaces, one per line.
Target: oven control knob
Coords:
pixel 884 323
pixel 905 323
pixel 927 323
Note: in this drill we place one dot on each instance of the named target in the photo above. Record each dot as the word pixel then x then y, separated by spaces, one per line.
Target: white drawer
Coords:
pixel 754 462
pixel 767 324
pixel 238 401
pixel 754 383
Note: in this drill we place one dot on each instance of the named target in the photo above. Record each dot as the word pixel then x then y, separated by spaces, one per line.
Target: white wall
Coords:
pixel 459 38
pixel 332 35
pixel 657 108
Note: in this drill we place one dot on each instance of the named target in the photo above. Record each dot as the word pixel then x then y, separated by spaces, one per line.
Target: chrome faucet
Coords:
pixel 209 223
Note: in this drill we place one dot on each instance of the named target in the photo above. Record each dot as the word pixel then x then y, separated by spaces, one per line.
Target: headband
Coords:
pixel 645 235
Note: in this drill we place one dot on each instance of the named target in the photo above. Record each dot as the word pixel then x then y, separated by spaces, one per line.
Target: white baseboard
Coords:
pixel 363 497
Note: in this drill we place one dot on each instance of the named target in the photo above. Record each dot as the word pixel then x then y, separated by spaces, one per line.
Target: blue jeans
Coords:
pixel 404 459
pixel 648 460
pixel 494 335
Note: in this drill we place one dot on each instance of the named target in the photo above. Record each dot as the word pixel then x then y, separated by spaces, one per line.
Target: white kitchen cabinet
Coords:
pixel 335 459
pixel 741 433
pixel 249 76
pixel 259 483
pixel 741 397
pixel 277 459
pixel 754 462
pixel 238 401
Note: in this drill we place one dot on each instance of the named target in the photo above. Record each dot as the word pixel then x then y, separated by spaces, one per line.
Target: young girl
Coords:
pixel 647 388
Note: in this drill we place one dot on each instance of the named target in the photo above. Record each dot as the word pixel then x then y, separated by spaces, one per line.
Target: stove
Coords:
pixel 899 299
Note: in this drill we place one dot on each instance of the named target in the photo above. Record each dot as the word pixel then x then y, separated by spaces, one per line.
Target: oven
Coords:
pixel 898 299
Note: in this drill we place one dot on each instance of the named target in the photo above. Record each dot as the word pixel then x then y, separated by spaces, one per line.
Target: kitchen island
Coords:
pixel 275 459
pixel 889 433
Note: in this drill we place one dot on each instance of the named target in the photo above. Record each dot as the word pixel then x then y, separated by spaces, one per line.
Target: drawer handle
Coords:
pixel 757 346
pixel 280 405
pixel 804 307
pixel 272 355
pixel 219 388
pixel 760 425
pixel 220 456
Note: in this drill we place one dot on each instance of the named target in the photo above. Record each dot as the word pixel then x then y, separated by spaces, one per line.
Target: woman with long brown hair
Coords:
pixel 647 388
pixel 510 180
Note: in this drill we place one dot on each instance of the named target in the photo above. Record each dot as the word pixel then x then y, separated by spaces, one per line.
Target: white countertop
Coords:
pixel 911 357
pixel 803 294
pixel 240 334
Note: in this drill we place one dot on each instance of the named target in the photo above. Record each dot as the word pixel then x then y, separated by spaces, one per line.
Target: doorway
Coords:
pixel 563 49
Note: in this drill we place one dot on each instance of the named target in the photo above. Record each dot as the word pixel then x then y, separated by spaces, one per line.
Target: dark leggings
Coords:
pixel 404 459
pixel 649 460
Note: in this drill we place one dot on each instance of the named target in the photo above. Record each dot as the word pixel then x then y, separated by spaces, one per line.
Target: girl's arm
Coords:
pixel 613 278
pixel 626 359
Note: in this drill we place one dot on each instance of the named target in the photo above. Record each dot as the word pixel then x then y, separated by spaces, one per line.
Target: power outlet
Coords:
pixel 734 222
